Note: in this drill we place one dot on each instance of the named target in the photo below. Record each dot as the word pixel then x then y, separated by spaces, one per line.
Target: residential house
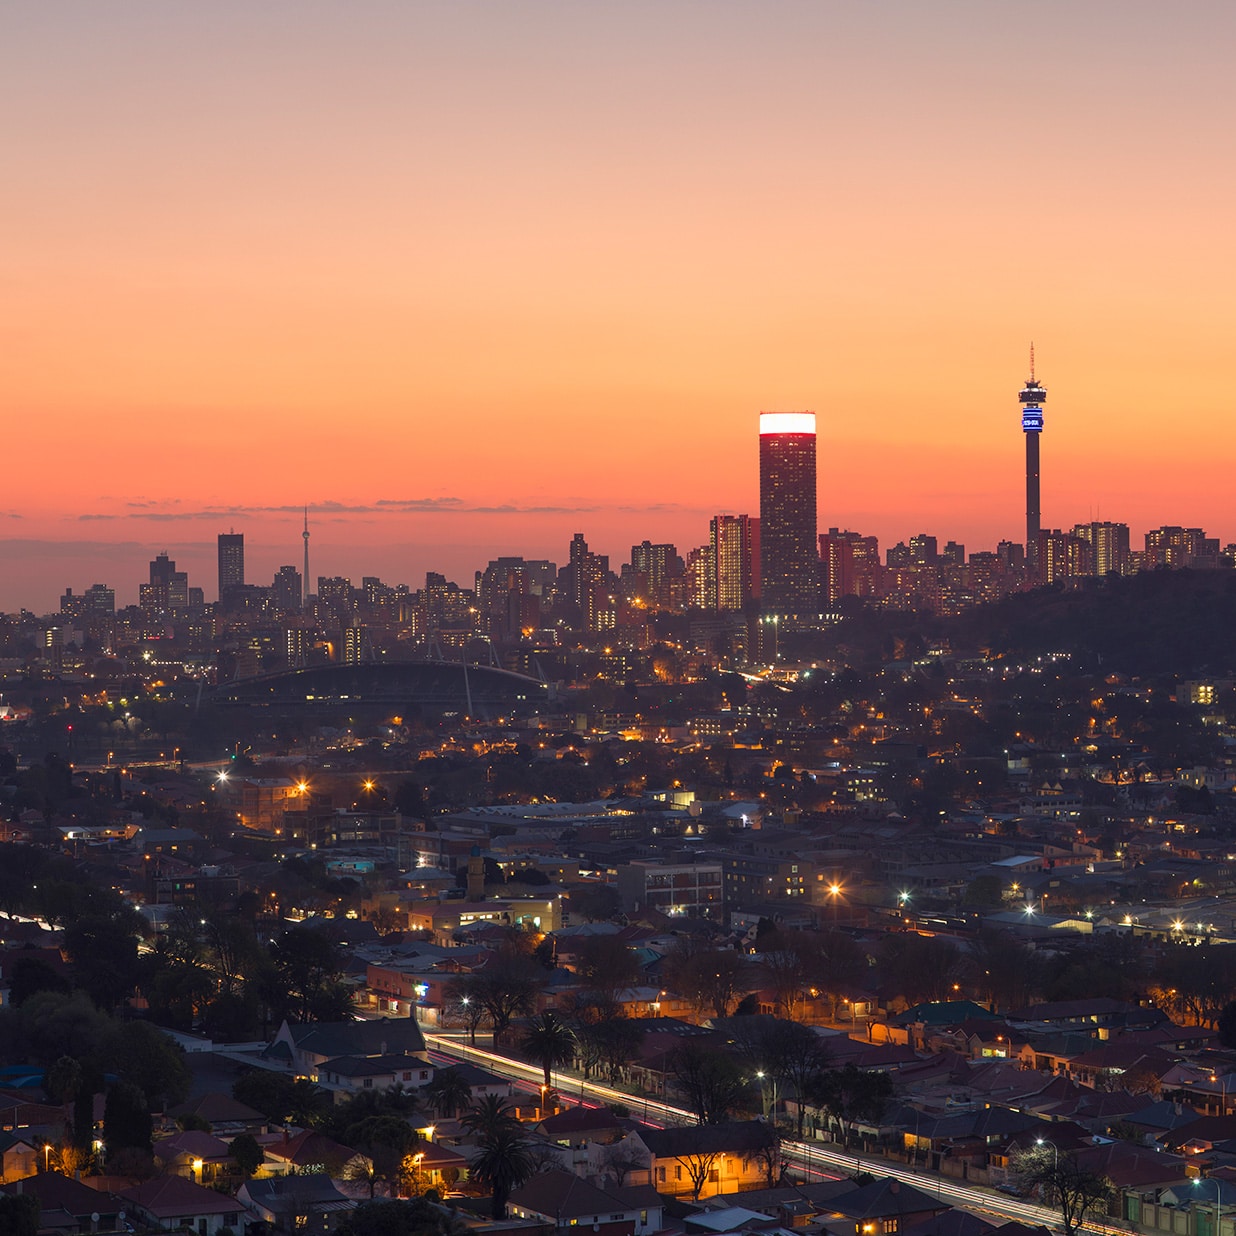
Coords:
pixel 483 1084
pixel 438 1167
pixel 308 1151
pixel 565 1202
pixel 226 1116
pixel 305 1047
pixel 174 1203
pixel 19 1115
pixel 18 1158
pixel 307 1205
pixel 887 1207
pixel 195 1154
pixel 702 1160
pixel 68 1205
pixel 345 1076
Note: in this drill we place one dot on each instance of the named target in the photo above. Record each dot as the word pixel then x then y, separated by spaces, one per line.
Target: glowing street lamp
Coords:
pixel 1197 1180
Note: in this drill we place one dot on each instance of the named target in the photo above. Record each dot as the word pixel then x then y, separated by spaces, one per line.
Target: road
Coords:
pixel 808 1157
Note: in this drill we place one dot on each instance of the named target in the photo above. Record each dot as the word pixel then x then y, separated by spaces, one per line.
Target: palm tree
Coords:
pixel 504 1163
pixel 490 1115
pixel 550 1043
pixel 448 1092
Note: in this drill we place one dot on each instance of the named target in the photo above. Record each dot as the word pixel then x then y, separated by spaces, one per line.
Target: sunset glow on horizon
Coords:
pixel 466 279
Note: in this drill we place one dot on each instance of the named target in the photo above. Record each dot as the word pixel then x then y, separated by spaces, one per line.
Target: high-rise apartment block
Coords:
pixel 1181 547
pixel 286 590
pixel 587 585
pixel 789 562
pixel 655 575
pixel 730 544
pixel 1109 546
pixel 1062 555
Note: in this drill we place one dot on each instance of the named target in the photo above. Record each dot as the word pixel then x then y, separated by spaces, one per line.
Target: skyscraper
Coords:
pixel 1032 397
pixel 231 563
pixel 789 562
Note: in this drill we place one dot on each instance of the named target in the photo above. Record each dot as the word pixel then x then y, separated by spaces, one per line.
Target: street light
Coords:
pixel 1218 1202
pixel 1055 1162
pixel 1223 1084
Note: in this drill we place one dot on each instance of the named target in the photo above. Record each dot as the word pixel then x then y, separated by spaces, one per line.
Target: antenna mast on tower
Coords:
pixel 304 595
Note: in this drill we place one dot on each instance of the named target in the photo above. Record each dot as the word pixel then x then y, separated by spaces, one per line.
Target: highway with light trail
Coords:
pixel 807 1157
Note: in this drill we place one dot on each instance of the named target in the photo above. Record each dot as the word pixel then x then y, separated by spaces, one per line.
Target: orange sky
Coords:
pixel 491 274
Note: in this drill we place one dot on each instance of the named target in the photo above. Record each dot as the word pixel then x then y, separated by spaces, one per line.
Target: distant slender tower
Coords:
pixel 789 556
pixel 304 600
pixel 1032 398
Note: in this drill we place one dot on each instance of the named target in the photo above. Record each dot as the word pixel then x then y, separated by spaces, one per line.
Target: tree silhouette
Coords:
pixel 505 1161
pixel 448 1092
pixel 549 1042
pixel 1061 1179
pixel 712 1083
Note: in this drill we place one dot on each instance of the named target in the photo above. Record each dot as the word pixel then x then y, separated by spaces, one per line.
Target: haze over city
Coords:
pixel 466 279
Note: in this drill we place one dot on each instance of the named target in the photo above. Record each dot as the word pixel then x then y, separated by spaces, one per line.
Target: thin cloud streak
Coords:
pixel 383 506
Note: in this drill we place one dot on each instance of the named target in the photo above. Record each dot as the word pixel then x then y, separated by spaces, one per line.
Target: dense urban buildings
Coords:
pixel 903 883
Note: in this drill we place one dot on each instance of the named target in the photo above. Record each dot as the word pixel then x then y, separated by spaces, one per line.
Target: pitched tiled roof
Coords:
pixel 57 1192
pixel 309 1146
pixel 732 1137
pixel 297 1194
pixel 886 1197
pixel 196 1143
pixel 219 1109
pixel 580 1119
pixel 951 1223
pixel 563 1195
pixel 171 1197
pixel 359 1038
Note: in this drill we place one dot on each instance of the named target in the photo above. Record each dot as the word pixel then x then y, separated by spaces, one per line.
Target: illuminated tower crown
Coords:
pixel 1032 396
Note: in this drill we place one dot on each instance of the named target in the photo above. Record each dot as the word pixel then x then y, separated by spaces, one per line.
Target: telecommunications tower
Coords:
pixel 1032 397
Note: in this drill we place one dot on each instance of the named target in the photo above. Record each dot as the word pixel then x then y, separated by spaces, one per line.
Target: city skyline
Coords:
pixel 466 281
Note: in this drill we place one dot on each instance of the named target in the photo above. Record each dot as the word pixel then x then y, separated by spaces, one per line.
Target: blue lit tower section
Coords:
pixel 1032 398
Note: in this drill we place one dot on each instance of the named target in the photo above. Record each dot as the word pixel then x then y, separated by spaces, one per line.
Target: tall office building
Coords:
pixel 789 561
pixel 729 543
pixel 1032 397
pixel 231 563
